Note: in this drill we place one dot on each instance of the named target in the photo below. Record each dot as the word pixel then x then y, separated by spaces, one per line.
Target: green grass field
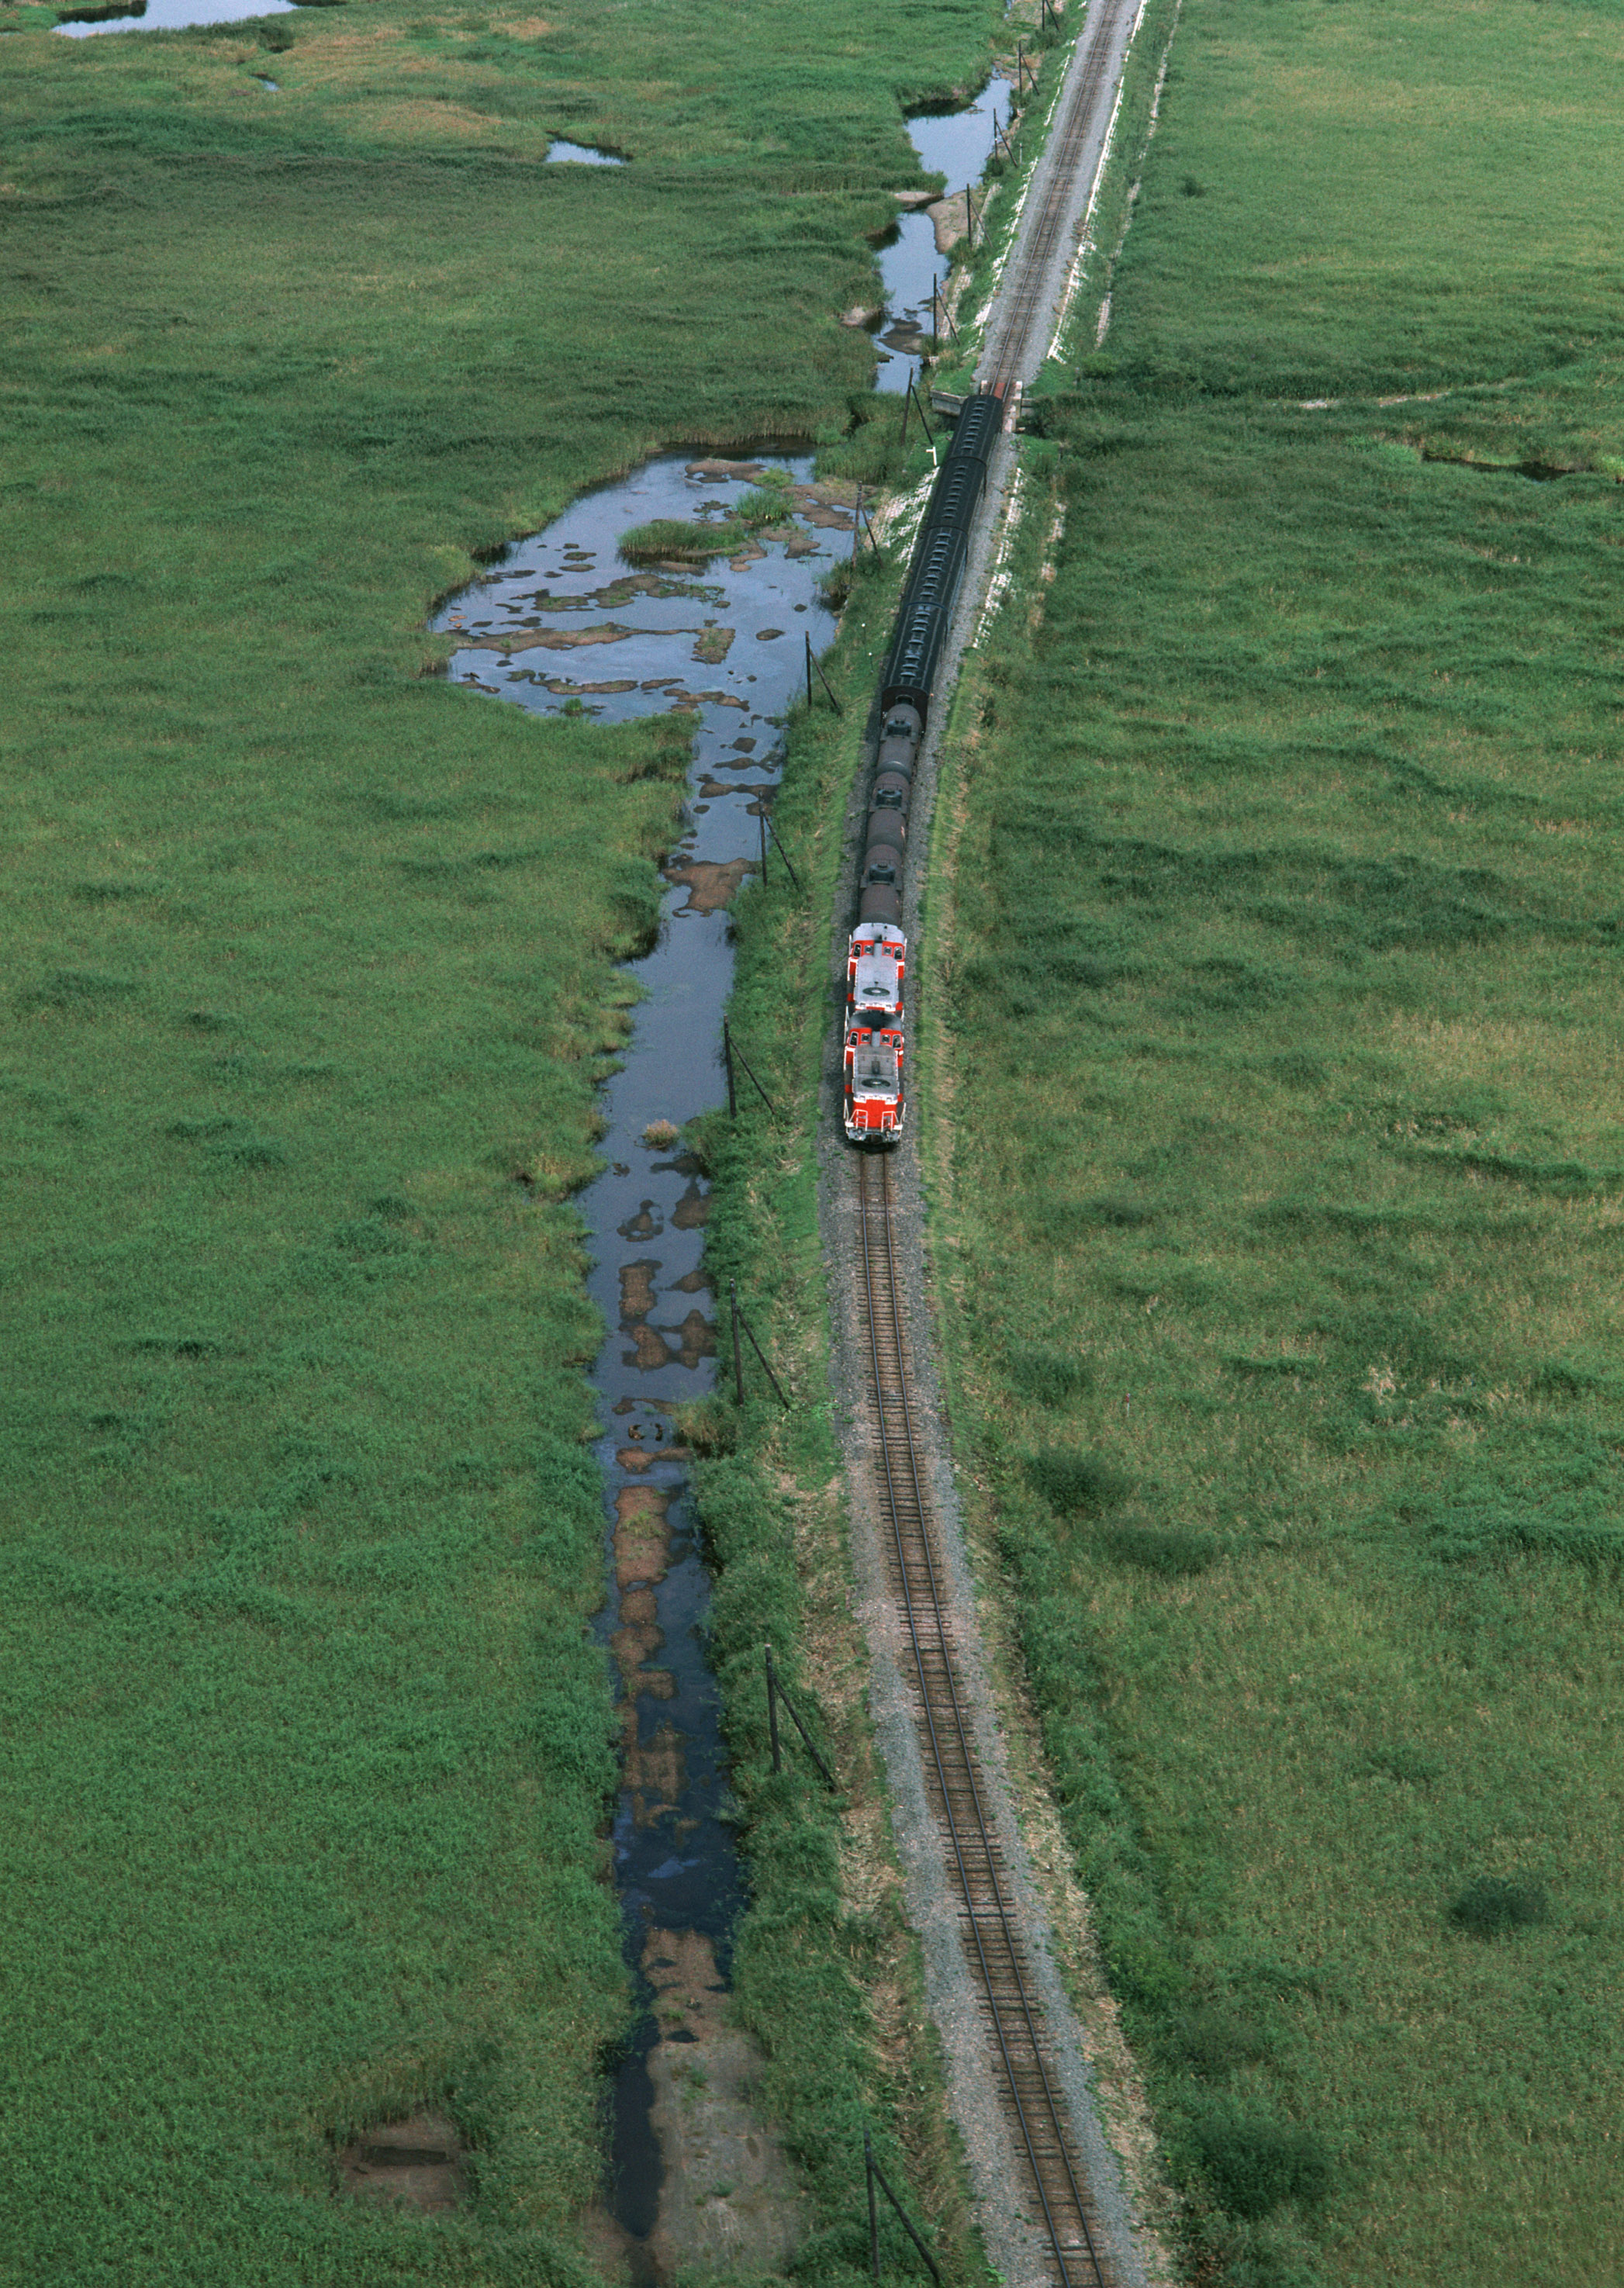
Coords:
pixel 1279 1143
pixel 306 958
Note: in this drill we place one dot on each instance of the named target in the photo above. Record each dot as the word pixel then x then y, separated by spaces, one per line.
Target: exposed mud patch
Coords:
pixel 693 1210
pixel 710 886
pixel 565 687
pixel 417 2164
pixel 728 2202
pixel 642 1537
pixel 637 1288
pixel 713 790
pixel 509 640
pixel 685 1345
pixel 717 472
pixel 950 221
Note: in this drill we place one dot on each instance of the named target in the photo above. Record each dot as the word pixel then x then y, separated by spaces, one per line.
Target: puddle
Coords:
pixel 581 154
pixel 957 144
pixel 166 15
pixel 651 641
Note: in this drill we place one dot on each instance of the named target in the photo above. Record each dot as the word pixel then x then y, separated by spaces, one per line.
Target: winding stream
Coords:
pixel 958 145
pixel 562 623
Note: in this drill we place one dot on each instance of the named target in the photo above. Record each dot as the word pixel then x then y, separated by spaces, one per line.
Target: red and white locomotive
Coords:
pixel 876 965
pixel 876 962
pixel 873 1080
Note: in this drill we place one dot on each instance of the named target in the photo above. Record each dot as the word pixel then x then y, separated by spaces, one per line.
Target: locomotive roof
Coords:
pixel 874 1071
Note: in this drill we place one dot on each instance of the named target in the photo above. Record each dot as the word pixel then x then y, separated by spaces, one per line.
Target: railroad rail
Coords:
pixel 1014 354
pixel 954 1790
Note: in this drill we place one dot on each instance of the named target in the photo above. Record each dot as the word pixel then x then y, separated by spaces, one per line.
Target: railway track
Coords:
pixel 1057 2193
pixel 1019 341
pixel 1049 2188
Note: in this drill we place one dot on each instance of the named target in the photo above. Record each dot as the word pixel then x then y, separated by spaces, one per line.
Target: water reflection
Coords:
pixel 958 145
pixel 582 155
pixel 562 624
pixel 166 15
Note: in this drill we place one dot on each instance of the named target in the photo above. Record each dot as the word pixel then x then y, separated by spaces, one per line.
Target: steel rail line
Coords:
pixel 1009 360
pixel 991 1941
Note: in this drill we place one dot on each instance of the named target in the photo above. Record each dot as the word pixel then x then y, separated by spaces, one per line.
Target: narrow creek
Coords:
pixel 162 15
pixel 958 145
pixel 562 623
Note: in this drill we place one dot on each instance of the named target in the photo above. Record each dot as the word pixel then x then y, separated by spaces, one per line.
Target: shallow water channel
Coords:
pixel 957 144
pixel 168 16
pixel 562 622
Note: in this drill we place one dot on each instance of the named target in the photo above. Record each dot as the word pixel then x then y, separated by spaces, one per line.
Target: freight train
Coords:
pixel 877 956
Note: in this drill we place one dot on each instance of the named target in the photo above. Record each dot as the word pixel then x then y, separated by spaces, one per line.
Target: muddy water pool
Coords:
pixel 958 145
pixel 562 624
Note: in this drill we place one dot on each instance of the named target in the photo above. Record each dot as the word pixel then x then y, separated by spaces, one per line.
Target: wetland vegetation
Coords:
pixel 309 984
pixel 1278 1141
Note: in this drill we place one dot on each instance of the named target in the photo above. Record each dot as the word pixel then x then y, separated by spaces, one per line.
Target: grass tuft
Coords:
pixel 1169 1551
pixel 1489 1906
pixel 1255 2165
pixel 668 538
pixel 1076 1484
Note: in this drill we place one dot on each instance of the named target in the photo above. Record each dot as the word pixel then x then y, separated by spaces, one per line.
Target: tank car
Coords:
pixel 899 737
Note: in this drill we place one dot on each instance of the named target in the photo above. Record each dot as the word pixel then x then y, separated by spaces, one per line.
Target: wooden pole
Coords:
pixel 765 1368
pixel 824 680
pixel 782 853
pixel 874 2207
pixel 749 1074
pixel 876 2175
